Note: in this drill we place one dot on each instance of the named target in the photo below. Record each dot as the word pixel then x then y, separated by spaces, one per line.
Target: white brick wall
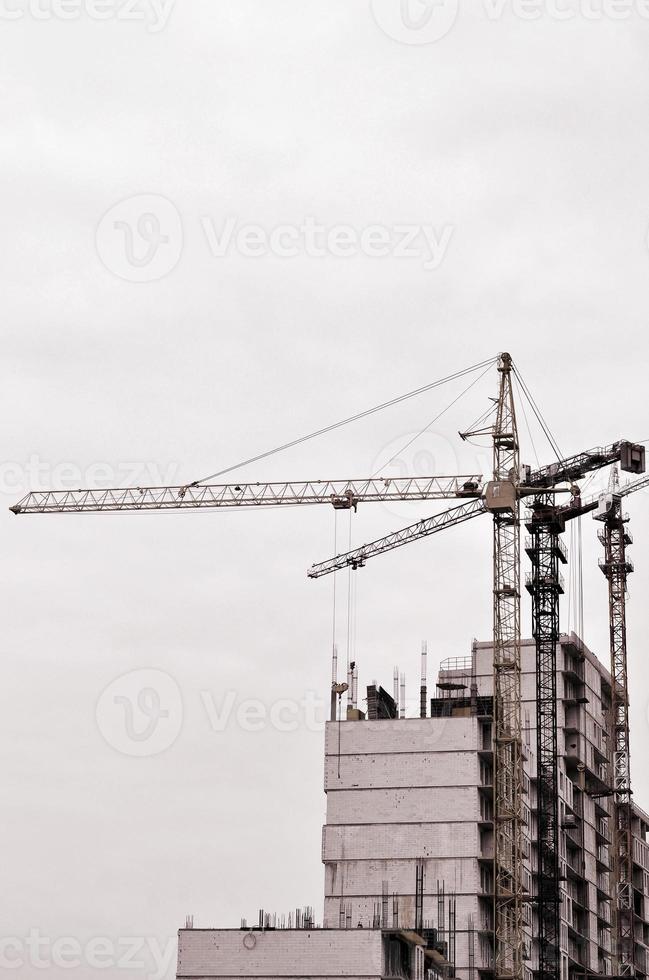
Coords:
pixel 375 806
pixel 454 768
pixel 407 791
pixel 385 841
pixel 360 877
pixel 401 735
pixel 320 953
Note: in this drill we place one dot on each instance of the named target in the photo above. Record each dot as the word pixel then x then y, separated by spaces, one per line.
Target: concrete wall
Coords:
pixel 463 872
pixel 315 954
pixel 391 841
pixel 400 791
pixel 401 769
pixel 408 735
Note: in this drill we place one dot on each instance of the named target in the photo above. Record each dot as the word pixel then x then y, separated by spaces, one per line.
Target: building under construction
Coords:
pixel 408 846
pixel 496 831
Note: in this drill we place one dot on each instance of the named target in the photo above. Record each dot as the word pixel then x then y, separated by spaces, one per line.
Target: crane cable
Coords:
pixel 576 579
pixel 478 422
pixel 436 419
pixel 576 573
pixel 529 430
pixel 580 581
pixel 352 418
pixel 544 425
pixel 334 652
pixel 349 610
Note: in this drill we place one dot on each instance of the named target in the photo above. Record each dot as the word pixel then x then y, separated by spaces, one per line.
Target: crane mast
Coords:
pixel 545 524
pixel 503 499
pixel 546 551
pixel 615 565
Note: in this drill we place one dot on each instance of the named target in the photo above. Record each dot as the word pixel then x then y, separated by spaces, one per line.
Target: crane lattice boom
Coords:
pixel 343 494
pixel 358 556
pixel 629 454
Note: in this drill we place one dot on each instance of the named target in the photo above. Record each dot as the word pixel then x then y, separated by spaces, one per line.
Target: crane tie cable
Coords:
pixel 436 419
pixel 352 418
pixel 544 426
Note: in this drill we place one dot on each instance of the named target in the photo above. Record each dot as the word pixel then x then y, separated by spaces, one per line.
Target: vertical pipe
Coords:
pixel 422 690
pixel 395 689
pixel 402 697
pixel 355 687
pixel 334 682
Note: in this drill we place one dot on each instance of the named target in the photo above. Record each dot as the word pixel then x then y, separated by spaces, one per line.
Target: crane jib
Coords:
pixel 341 494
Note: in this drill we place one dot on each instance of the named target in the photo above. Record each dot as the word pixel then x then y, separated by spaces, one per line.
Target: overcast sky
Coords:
pixel 227 223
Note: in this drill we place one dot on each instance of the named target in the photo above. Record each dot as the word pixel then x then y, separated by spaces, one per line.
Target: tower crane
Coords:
pixel 615 537
pixel 501 497
pixel 546 522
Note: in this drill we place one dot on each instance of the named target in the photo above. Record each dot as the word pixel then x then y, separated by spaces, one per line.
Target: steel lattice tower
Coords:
pixel 508 763
pixel 546 551
pixel 616 567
